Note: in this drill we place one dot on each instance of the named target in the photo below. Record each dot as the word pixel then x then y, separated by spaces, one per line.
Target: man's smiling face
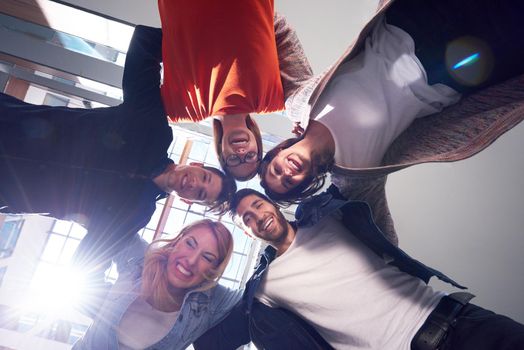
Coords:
pixel 262 219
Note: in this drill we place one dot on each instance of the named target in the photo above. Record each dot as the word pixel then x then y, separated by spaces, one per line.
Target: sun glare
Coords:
pixel 55 289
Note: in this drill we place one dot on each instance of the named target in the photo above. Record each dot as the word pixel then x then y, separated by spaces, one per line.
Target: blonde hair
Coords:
pixel 218 135
pixel 155 285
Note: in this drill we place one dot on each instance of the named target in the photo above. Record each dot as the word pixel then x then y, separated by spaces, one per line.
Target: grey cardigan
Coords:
pixel 458 132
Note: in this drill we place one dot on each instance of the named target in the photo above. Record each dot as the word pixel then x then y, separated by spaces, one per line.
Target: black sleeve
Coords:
pixel 280 329
pixel 141 82
pixel 229 334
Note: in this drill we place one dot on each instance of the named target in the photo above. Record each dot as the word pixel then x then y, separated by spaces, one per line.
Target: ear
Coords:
pixel 196 164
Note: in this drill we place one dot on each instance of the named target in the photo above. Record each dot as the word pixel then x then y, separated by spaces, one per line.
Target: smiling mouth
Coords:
pixel 185 182
pixel 240 141
pixel 295 165
pixel 183 270
pixel 238 138
pixel 267 224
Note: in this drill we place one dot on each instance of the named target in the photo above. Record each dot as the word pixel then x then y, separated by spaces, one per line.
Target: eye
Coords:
pixel 208 258
pixel 277 169
pixel 191 243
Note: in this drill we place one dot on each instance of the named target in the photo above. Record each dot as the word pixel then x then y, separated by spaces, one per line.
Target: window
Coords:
pixel 9 233
pixel 3 270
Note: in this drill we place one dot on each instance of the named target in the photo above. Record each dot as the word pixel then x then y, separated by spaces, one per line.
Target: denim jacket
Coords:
pixel 199 312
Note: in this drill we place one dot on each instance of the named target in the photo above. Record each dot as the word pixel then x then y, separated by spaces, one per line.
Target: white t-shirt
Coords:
pixel 143 325
pixel 350 295
pixel 374 97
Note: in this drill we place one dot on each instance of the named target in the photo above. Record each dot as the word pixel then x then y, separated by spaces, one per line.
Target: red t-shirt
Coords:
pixel 219 58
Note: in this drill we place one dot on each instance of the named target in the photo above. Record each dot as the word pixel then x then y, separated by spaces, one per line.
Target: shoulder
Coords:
pixel 222 299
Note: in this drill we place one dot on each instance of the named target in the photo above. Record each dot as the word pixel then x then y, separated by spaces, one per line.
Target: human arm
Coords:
pixel 371 190
pixel 231 333
pixel 141 81
pixel 292 61
pixel 266 327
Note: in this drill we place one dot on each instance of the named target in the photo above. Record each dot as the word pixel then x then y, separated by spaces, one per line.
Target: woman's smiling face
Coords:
pixel 192 258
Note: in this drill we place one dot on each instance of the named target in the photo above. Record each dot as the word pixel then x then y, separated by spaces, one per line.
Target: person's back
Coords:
pixel 85 151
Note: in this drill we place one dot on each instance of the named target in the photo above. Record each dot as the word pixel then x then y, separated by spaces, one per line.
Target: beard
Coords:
pixel 282 232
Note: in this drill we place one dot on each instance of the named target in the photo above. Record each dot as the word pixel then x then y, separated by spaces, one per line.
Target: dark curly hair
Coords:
pixel 229 187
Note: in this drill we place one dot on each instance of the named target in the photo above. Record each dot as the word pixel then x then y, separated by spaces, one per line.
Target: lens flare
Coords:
pixel 467 61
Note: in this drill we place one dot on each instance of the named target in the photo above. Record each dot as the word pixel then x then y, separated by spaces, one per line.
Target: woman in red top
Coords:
pixel 220 60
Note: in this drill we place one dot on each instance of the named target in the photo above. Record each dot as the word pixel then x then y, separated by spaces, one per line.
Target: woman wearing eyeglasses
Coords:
pixel 168 298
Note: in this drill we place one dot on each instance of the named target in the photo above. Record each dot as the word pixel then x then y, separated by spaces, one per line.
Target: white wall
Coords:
pixel 464 218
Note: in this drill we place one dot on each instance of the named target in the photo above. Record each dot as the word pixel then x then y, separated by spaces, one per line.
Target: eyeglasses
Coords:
pixel 234 160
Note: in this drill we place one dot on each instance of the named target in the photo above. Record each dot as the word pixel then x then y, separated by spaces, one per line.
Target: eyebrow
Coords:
pixel 196 242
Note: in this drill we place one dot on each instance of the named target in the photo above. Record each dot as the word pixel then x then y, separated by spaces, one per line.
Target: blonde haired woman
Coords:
pixel 168 298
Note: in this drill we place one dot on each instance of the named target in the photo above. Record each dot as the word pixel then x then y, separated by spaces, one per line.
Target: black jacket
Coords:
pixel 93 166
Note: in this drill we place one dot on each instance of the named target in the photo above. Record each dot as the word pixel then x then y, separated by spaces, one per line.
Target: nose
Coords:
pixel 240 150
pixel 287 172
pixel 192 258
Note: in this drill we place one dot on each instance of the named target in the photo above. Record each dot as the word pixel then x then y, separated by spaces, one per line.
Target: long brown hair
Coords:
pixel 218 135
pixel 155 284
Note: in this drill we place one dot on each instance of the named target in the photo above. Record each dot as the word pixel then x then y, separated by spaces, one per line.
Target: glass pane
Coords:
pixel 177 203
pixel 235 267
pixel 53 248
pixel 174 222
pixel 192 217
pixel 198 150
pixel 62 227
pixel 88 34
pixel 153 223
pixel 197 208
pixel 148 235
pixel 77 231
pixel 242 241
pixel 68 251
pixel 211 157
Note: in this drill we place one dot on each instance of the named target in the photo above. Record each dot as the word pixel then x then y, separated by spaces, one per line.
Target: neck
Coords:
pixel 174 305
pixel 231 121
pixel 283 246
pixel 317 131
pixel 162 180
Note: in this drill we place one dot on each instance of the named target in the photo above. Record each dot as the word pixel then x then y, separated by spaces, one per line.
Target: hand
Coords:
pixel 297 129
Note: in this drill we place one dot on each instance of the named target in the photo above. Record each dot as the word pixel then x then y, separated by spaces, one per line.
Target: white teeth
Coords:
pixel 268 223
pixel 183 270
pixel 294 164
pixel 184 181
